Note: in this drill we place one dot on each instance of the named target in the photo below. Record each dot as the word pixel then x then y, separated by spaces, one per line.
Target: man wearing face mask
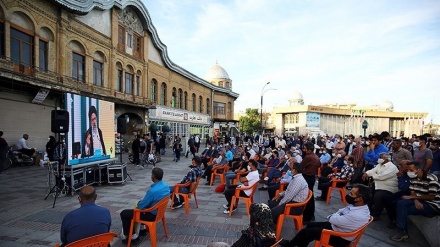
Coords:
pixel 325 182
pixel 435 168
pixel 325 157
pixel 241 168
pixel 407 146
pixel 422 200
pixel 338 159
pixel 350 144
pixel 423 155
pixel 277 172
pixel 297 191
pixel 340 144
pixel 400 153
pixel 385 181
pixel 347 219
pixel 247 182
pixel 375 149
pixel 358 163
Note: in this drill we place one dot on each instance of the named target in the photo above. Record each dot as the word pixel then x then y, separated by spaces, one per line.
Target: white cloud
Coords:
pixel 330 51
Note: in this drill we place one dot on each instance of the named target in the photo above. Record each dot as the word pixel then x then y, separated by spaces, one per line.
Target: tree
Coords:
pixel 250 122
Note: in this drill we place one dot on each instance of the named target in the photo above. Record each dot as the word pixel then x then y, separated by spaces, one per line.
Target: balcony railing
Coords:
pixel 67 83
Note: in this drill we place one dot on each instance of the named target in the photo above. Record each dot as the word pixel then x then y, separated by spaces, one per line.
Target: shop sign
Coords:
pixel 177 115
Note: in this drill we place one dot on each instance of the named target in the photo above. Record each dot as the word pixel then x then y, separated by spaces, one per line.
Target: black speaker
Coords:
pixel 122 126
pixel 60 121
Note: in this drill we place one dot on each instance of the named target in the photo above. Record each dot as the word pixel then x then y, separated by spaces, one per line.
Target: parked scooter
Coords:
pixel 18 158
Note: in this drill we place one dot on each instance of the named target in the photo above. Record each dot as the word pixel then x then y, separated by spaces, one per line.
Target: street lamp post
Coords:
pixel 365 127
pixel 261 109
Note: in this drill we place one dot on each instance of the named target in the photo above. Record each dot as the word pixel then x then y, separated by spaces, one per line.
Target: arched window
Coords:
pixel 227 85
pixel 185 101
pixel 163 93
pixel 98 69
pixel 22 42
pixel 137 87
pixel 193 102
pixel 180 99
pixel 120 74
pixel 174 97
pixel 153 91
pixel 220 84
pixel 200 104
pixel 129 80
pixel 208 106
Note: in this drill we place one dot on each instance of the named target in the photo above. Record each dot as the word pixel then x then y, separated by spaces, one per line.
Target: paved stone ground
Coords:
pixel 28 220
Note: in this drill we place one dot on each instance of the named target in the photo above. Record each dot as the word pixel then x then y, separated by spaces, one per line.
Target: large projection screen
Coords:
pixel 91 129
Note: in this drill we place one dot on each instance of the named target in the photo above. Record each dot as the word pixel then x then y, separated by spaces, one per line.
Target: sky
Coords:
pixel 362 52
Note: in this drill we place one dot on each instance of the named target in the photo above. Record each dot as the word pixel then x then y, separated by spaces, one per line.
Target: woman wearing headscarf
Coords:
pixel 261 231
pixel 50 147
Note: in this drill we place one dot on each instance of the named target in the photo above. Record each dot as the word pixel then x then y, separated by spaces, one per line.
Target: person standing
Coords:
pixel 86 221
pixel 310 165
pixel 3 150
pixel 422 154
pixel 135 147
pixel 399 153
pixel 197 143
pixel 50 147
pixel 162 144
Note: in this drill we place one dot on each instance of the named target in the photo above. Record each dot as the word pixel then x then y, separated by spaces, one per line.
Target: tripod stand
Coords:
pixel 120 159
pixel 60 182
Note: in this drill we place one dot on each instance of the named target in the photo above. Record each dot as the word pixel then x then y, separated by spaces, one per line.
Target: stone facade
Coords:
pixel 116 34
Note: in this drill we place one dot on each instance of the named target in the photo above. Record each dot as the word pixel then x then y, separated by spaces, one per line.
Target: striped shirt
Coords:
pixel 296 191
pixel 425 187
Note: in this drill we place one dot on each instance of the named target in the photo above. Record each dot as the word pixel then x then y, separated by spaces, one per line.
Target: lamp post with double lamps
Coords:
pixel 261 110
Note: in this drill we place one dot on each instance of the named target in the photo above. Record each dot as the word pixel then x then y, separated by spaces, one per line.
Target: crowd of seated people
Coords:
pixel 399 175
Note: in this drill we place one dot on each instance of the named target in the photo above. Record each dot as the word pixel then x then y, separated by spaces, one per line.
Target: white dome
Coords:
pixel 216 72
pixel 387 105
pixel 297 96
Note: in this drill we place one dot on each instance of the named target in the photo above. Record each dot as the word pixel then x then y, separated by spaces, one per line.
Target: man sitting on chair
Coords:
pixel 297 191
pixel 159 189
pixel 87 221
pixel 191 176
pixel 348 219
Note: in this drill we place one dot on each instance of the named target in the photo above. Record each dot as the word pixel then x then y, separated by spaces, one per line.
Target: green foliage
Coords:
pixel 251 122
pixel 153 127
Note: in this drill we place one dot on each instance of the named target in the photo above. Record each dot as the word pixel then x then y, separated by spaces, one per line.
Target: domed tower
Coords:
pixel 218 76
pixel 297 99
pixel 387 106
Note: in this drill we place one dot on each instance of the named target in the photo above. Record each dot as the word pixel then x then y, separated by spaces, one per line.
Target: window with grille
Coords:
pixel 78 67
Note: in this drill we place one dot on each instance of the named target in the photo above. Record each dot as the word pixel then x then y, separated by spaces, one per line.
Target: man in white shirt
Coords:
pixel 247 182
pixel 22 146
pixel 385 180
pixel 347 219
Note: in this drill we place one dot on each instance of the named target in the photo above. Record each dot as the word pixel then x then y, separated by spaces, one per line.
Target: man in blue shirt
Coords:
pixel 325 157
pixel 376 148
pixel 86 221
pixel 157 192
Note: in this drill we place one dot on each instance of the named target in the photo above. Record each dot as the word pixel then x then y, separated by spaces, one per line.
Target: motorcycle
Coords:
pixel 17 158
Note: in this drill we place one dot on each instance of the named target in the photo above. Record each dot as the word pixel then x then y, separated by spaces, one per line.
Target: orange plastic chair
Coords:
pixel 325 236
pixel 282 188
pixel 101 240
pixel 219 171
pixel 238 176
pixel 342 190
pixel 161 207
pixel 185 195
pixel 249 200
pixel 277 243
pixel 297 219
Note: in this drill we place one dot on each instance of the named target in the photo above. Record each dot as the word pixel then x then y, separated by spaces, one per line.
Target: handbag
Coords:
pixel 220 188
pixel 150 157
